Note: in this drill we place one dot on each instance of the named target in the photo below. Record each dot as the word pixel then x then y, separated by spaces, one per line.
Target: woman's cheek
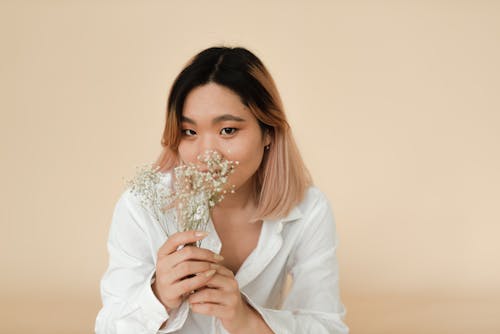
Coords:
pixel 188 153
pixel 226 150
pixel 239 176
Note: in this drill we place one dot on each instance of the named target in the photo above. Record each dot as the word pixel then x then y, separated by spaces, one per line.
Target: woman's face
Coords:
pixel 214 118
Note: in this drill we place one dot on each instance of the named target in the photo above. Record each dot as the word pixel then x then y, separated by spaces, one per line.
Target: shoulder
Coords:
pixel 316 214
pixel 314 200
pixel 313 234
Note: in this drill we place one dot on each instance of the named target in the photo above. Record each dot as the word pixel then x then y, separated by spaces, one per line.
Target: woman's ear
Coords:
pixel 267 137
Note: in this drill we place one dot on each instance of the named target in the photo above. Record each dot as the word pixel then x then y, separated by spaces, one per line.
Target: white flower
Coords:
pixel 193 193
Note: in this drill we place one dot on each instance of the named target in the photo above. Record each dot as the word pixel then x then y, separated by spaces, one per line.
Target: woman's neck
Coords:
pixel 240 202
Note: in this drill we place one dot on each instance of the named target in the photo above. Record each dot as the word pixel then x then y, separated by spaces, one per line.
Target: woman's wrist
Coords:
pixel 154 288
pixel 255 323
pixel 258 323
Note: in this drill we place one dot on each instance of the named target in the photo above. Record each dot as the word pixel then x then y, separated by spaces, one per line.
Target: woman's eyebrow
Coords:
pixel 227 117
pixel 218 119
pixel 187 120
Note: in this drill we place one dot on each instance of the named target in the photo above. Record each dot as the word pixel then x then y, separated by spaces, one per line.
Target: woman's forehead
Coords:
pixel 214 102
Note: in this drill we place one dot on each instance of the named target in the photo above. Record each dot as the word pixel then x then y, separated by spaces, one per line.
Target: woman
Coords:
pixel 275 224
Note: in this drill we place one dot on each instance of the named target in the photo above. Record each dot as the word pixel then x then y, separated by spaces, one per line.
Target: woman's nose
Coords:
pixel 207 143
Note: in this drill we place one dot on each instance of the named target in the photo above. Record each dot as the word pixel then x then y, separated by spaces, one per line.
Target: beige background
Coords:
pixel 395 105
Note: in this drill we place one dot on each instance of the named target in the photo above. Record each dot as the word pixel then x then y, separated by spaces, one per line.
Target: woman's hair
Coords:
pixel 282 178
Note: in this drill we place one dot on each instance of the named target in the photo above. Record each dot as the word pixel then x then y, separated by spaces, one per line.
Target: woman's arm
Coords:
pixel 129 303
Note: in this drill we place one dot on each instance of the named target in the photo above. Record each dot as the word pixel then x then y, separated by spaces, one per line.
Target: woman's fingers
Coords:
pixel 223 270
pixel 188 285
pixel 178 239
pixel 210 309
pixel 179 271
pixel 223 282
pixel 209 295
pixel 191 253
pixel 188 268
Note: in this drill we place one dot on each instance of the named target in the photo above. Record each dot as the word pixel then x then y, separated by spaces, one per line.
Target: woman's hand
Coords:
pixel 222 299
pixel 180 272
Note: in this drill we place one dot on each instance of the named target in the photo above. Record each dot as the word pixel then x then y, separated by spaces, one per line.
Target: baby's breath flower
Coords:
pixel 193 193
pixel 146 187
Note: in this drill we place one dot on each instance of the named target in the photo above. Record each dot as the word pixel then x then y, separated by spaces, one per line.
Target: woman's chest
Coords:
pixel 237 244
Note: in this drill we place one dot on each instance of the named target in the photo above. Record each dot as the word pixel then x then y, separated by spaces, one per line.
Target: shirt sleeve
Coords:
pixel 129 304
pixel 313 304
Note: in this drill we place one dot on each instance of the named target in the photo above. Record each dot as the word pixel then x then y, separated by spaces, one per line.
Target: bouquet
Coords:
pixel 192 195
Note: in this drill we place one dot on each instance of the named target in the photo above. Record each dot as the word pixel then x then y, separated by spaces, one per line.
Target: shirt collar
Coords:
pixel 294 215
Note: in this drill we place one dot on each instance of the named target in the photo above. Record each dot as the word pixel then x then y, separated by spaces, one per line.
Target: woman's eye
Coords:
pixel 228 131
pixel 188 132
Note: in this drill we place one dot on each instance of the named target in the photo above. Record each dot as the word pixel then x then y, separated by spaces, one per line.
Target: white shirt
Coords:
pixel 302 244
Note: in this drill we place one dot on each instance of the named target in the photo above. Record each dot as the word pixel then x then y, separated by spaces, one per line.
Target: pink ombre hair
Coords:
pixel 282 178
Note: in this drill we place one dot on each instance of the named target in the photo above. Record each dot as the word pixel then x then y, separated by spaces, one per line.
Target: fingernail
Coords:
pixel 214 266
pixel 200 234
pixel 218 257
pixel 210 273
pixel 206 273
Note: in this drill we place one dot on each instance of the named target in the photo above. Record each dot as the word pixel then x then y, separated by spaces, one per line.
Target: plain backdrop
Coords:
pixel 395 106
